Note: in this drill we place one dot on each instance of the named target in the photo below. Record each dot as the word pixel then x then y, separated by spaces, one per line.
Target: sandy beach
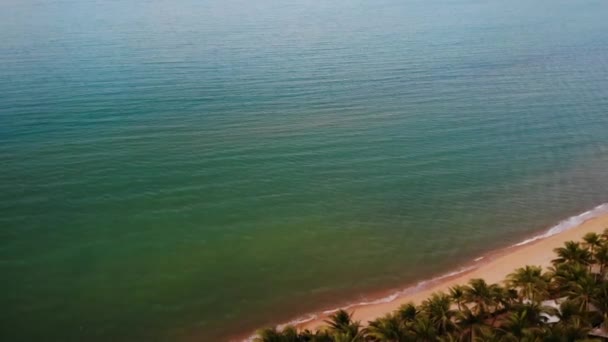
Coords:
pixel 493 268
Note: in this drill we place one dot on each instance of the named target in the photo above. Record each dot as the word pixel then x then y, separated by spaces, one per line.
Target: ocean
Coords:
pixel 193 170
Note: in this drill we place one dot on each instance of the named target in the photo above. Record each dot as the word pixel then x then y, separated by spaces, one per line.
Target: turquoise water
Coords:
pixel 193 170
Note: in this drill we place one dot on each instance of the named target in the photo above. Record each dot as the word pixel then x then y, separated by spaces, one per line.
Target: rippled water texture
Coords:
pixel 191 170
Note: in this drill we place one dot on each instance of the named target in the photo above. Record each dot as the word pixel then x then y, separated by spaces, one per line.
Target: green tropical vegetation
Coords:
pixel 566 302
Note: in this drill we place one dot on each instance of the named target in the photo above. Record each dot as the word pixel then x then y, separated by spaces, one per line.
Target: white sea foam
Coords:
pixel 386 299
pixel 569 223
pixel 412 289
pixel 562 226
pixel 299 320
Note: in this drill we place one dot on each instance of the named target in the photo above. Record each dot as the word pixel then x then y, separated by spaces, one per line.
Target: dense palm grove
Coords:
pixel 478 311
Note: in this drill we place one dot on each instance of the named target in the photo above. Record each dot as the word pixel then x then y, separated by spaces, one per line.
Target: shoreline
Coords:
pixel 493 266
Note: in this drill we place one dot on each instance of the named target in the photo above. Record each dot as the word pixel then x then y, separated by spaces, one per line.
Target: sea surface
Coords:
pixel 191 170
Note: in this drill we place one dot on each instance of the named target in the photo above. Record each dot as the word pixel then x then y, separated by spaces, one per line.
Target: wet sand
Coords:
pixel 493 268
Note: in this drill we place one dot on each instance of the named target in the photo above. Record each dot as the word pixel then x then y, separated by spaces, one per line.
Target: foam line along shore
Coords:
pixel 493 267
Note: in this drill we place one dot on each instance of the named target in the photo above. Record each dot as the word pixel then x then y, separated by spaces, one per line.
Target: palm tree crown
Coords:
pixel 479 311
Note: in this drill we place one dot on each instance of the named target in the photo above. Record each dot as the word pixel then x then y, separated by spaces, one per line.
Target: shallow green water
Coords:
pixel 196 169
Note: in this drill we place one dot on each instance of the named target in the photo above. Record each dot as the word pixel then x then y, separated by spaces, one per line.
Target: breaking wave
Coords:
pixel 568 223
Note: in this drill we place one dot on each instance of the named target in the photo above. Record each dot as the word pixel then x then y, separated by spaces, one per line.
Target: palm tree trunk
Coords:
pixel 494 319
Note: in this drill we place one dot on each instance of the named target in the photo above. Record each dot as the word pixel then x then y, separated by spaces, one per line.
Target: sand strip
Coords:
pixel 493 268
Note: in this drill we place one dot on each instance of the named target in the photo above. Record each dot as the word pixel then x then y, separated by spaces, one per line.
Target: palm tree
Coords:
pixel 458 295
pixel 288 334
pixel 601 257
pixel 469 324
pixel 502 300
pixel 536 312
pixel 572 252
pixel 519 326
pixel 510 297
pixel 423 329
pixel 388 329
pixel 600 301
pixel 449 338
pixel 563 275
pixel 489 312
pixel 439 311
pixel 592 240
pixel 268 335
pixel 575 330
pixel 346 337
pixel 317 336
pixel 407 312
pixel 604 234
pixel 568 311
pixel 488 334
pixel 582 291
pixel 342 322
pixel 530 282
pixel 515 324
pixel 480 293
